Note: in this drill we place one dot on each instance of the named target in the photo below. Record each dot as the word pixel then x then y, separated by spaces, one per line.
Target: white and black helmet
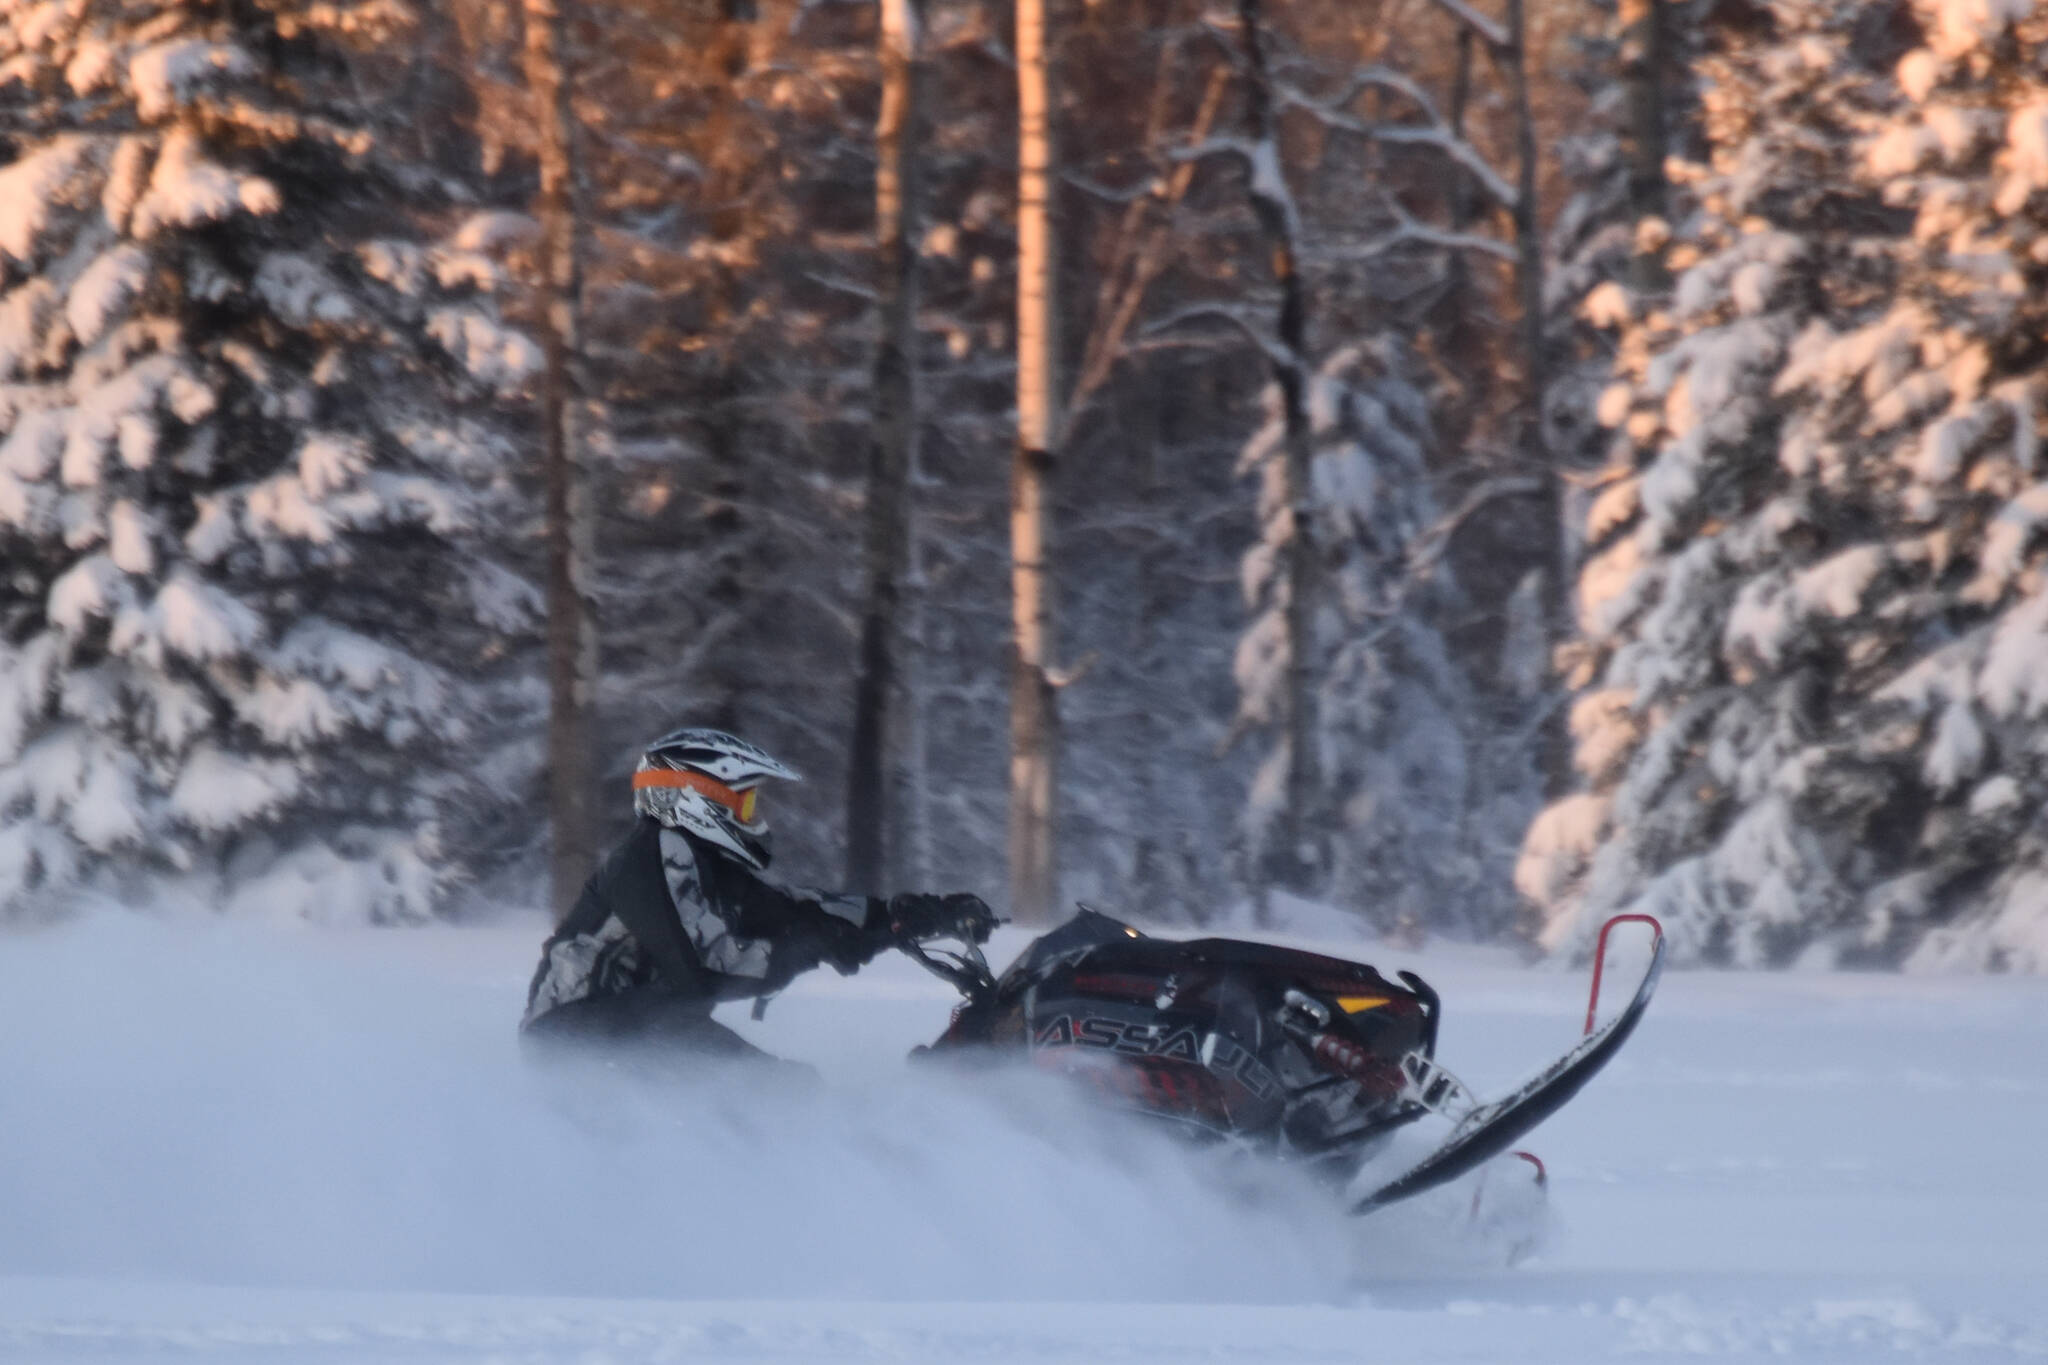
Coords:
pixel 706 783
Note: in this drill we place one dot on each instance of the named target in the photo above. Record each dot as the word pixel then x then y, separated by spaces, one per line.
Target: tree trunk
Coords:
pixel 911 860
pixel 1642 71
pixel 1555 741
pixel 1034 720
pixel 870 790
pixel 1153 848
pixel 571 628
pixel 1460 339
pixel 1300 850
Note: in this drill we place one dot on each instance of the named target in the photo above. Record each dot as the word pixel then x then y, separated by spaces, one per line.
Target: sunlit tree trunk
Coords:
pixel 1034 720
pixel 870 798
pixel 571 625
pixel 1299 848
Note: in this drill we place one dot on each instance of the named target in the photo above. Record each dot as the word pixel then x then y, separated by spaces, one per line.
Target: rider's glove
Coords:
pixel 917 916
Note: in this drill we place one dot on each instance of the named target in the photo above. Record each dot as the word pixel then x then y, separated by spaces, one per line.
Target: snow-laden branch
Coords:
pixel 1333 112
pixel 1145 187
pixel 1409 231
pixel 1222 144
pixel 1261 160
pixel 1192 314
pixel 1497 186
pixel 839 284
pixel 1362 79
pixel 1490 29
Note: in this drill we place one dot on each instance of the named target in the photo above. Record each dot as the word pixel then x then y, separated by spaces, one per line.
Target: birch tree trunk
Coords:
pixel 571 627
pixel 871 792
pixel 1301 846
pixel 1034 721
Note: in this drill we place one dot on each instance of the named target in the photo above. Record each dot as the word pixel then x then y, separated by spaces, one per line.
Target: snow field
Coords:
pixel 225 1143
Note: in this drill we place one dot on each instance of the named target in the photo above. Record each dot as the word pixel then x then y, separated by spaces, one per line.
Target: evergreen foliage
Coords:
pixel 1814 614
pixel 245 626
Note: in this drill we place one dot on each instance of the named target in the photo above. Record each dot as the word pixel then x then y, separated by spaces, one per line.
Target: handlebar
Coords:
pixel 965 970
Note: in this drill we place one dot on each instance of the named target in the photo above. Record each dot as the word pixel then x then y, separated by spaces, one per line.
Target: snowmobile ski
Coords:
pixel 1485 1130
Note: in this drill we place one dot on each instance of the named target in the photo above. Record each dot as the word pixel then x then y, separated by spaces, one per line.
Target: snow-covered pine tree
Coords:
pixel 1636 74
pixel 1410 803
pixel 1815 618
pixel 238 468
pixel 1393 704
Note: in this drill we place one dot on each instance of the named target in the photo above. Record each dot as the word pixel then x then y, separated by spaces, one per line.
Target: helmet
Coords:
pixel 704 782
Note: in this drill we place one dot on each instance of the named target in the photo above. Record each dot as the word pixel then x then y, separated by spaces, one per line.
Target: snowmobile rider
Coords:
pixel 679 916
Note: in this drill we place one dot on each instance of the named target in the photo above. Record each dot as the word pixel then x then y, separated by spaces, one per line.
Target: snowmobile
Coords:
pixel 1306 1057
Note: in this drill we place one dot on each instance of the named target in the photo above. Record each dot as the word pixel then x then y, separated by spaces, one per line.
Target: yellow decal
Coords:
pixel 1354 1004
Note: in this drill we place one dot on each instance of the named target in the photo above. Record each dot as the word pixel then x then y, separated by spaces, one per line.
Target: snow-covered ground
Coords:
pixel 229 1144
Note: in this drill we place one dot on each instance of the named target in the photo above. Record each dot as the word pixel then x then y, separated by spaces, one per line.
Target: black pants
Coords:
pixel 645 1028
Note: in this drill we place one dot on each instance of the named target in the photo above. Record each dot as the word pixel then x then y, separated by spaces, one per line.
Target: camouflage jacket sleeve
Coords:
pixel 756 932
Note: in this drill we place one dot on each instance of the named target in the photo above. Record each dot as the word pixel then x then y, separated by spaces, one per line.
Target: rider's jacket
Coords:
pixel 671 916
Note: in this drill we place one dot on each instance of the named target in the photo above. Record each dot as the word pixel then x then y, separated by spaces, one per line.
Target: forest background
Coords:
pixel 1481 467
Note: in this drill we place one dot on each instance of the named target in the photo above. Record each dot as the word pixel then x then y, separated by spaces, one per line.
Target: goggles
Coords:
pixel 739 803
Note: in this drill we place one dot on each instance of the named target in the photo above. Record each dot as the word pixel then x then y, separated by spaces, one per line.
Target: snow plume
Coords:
pixel 216 1104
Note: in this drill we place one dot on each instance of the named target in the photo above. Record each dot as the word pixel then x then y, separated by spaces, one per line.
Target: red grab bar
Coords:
pixel 1600 957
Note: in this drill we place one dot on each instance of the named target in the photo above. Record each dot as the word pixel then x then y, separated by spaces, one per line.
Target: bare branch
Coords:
pixel 1240 726
pixel 1596 478
pixel 839 284
pixel 1116 312
pixel 1491 490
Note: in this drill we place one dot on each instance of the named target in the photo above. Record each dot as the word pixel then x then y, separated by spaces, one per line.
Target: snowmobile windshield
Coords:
pixel 1086 931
